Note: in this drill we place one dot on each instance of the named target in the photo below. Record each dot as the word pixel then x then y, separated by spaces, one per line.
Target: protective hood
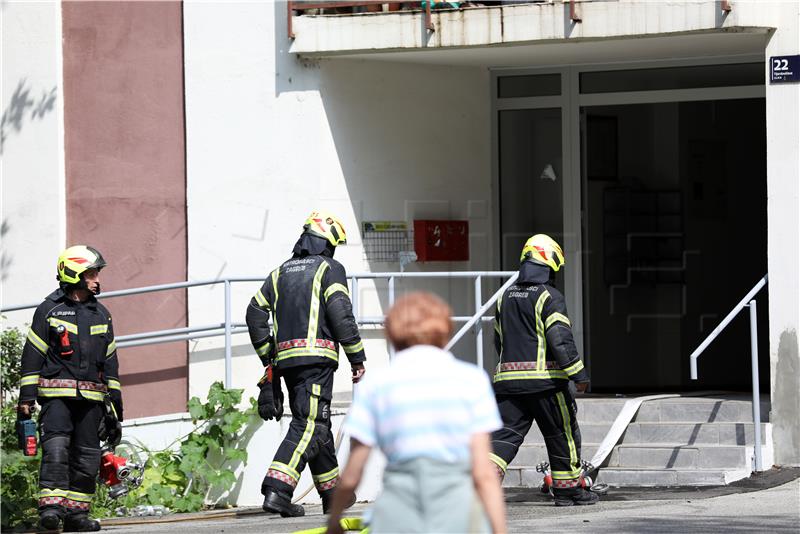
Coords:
pixel 535 273
pixel 311 245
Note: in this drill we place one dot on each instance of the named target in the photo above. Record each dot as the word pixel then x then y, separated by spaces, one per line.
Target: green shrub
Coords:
pixel 194 471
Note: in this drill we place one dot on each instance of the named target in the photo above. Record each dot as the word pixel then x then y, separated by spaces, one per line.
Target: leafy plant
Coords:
pixel 199 467
pixel 196 470
pixel 20 487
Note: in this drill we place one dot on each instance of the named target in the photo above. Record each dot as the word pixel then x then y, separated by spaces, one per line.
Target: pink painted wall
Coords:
pixel 126 177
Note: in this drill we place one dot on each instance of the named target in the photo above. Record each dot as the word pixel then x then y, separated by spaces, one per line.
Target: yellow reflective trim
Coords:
pixel 307 433
pixel 111 348
pixel 47 492
pixel 113 384
pixel 262 301
pixel 313 312
pixel 573 454
pixel 71 327
pixel 556 317
pixel 29 380
pixel 530 375
pixel 575 368
pixel 283 468
pixel 352 349
pixel 315 389
pixel 57 392
pixel 78 496
pixel 263 349
pixel 502 464
pixel 307 351
pixel 275 275
pixel 37 342
pixel 98 329
pixel 324 477
pixel 566 475
pixel 92 395
pixel 541 340
pixel 333 288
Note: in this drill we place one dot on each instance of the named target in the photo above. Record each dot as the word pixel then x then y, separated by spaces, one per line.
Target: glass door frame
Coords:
pixel 570 101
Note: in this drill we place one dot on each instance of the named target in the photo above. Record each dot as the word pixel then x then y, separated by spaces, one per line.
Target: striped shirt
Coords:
pixel 425 404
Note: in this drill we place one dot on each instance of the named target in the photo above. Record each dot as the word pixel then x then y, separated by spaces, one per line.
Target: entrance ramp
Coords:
pixel 681 441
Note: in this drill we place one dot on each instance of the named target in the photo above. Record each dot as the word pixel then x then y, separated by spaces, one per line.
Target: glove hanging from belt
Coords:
pixel 270 398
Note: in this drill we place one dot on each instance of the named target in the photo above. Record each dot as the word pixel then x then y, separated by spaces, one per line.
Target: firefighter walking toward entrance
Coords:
pixel 69 364
pixel 538 358
pixel 311 316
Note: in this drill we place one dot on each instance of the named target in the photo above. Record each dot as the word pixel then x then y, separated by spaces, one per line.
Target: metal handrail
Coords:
pixel 747 301
pixel 228 328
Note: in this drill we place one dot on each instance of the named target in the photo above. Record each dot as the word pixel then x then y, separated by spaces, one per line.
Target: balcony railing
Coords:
pixel 372 6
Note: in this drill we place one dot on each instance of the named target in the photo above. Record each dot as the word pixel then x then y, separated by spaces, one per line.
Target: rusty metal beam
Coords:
pixel 726 6
pixel 428 21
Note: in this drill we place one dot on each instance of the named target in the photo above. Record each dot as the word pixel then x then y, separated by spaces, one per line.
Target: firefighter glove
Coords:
pixel 266 402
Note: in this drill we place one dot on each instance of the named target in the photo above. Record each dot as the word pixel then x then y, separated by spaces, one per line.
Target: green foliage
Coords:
pixel 199 467
pixel 19 489
pixel 194 470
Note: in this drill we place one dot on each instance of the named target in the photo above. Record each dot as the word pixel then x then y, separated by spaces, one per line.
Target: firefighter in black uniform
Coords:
pixel 311 316
pixel 69 365
pixel 538 358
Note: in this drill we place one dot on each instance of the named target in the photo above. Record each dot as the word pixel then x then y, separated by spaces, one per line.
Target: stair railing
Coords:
pixel 749 302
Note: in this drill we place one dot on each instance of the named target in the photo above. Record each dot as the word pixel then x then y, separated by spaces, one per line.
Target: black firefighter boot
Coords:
pixel 49 518
pixel 80 523
pixel 278 502
pixel 574 497
pixel 327 500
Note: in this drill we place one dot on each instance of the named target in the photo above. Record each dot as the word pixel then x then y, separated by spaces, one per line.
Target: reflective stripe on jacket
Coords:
pixel 309 303
pixel 533 336
pixel 50 370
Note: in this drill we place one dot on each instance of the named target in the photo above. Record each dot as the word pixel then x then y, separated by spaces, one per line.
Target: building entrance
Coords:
pixel 654 180
pixel 675 235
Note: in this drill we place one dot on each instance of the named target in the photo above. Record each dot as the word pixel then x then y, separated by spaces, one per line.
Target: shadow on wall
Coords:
pixel 409 141
pixel 5 257
pixel 23 106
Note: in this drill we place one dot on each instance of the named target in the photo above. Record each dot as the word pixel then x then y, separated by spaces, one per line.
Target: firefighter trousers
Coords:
pixel 555 413
pixel 309 439
pixel 70 454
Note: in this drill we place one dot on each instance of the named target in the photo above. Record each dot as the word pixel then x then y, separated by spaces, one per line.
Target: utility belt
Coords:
pixel 70 388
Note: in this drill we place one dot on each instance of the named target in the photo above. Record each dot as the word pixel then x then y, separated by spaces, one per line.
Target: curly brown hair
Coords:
pixel 419 318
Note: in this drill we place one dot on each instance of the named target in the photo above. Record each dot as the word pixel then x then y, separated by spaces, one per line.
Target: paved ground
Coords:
pixel 773 510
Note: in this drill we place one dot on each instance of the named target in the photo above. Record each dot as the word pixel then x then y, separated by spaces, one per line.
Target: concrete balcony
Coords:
pixel 503 31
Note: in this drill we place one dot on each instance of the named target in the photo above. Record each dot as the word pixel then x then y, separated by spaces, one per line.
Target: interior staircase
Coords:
pixel 686 441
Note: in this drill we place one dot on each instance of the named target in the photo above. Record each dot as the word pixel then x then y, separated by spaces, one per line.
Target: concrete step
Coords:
pixel 667 456
pixel 691 433
pixel 632 477
pixel 528 477
pixel 532 454
pixel 590 433
pixel 700 410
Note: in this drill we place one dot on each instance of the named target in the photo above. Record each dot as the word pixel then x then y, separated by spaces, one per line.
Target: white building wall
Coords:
pixel 32 216
pixel 783 225
pixel 271 137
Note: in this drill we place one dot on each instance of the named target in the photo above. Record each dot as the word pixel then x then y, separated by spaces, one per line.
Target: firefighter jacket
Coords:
pixel 533 336
pixel 311 312
pixel 70 352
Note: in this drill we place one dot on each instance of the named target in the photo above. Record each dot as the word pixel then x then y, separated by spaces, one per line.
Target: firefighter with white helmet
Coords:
pixel 69 365
pixel 312 317
pixel 538 359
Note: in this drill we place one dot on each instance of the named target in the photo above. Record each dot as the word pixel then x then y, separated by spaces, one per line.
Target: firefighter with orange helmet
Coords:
pixel 538 359
pixel 69 365
pixel 312 317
